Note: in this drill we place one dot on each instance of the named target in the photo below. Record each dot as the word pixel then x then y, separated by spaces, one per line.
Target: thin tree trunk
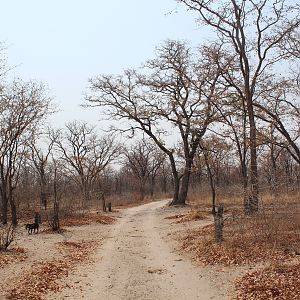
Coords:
pixel 245 188
pixel 13 208
pixel 4 208
pixel 142 189
pixel 55 220
pixel 43 195
pixel 212 184
pixel 164 182
pixel 274 183
pixel 152 184
pixel 219 224
pixel 176 181
pixel 253 198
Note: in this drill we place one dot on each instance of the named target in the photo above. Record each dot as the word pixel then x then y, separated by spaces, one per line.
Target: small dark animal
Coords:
pixel 32 228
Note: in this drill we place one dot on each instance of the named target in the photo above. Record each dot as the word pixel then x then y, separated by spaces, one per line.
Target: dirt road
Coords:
pixel 135 262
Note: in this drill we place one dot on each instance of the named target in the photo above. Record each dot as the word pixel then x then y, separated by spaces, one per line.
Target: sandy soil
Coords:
pixel 136 259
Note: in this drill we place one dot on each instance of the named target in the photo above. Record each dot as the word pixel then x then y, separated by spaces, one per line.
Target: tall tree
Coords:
pixel 279 109
pixel 22 107
pixel 233 119
pixel 174 94
pixel 40 158
pixel 254 31
pixel 85 153
pixel 144 160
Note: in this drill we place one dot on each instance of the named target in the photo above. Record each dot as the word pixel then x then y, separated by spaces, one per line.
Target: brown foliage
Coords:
pixel 280 282
pixel 12 255
pixel 247 240
pixel 86 219
pixel 191 216
pixel 44 276
pixel 7 235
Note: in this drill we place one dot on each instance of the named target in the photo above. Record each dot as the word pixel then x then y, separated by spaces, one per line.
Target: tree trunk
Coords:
pixel 152 184
pixel 55 224
pixel 274 181
pixel 43 200
pixel 85 188
pixel 245 188
pixel 253 198
pixel 43 195
pixel 175 200
pixel 13 208
pixel 219 224
pixel 212 184
pixel 183 186
pixel 103 202
pixel 4 208
pixel 142 188
pixel 176 181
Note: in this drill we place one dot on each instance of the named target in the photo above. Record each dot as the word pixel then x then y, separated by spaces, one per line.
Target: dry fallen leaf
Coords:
pixel 44 276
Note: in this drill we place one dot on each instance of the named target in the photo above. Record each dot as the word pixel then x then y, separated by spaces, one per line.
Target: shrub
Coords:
pixel 7 235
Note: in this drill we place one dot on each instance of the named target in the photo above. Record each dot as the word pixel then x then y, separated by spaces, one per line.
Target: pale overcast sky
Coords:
pixel 65 42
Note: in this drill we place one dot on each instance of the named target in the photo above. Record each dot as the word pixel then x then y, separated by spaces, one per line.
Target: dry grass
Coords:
pixel 233 196
pixel 86 219
pixel 280 282
pixel 268 235
pixel 44 276
pixel 13 255
pixel 193 215
pixel 133 199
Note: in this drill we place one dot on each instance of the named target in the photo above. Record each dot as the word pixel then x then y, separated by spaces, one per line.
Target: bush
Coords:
pixel 7 235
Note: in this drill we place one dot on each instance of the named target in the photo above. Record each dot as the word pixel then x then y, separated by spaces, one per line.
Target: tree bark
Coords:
pixel 13 208
pixel 253 198
pixel 142 188
pixel 212 183
pixel 219 224
pixel 4 208
pixel 184 186
pixel 176 183
pixel 152 184
pixel 43 195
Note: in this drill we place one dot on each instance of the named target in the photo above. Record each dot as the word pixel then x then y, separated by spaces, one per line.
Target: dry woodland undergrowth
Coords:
pixel 269 243
pixel 12 255
pixel 43 277
pixel 86 219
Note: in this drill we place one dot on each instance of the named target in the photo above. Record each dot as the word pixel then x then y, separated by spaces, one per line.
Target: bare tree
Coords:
pixel 85 153
pixel 59 183
pixel 213 156
pixel 252 32
pixel 22 107
pixel 174 94
pixel 279 110
pixel 39 158
pixel 234 117
pixel 144 160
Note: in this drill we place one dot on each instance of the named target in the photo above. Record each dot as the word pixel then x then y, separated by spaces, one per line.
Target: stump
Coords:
pixel 219 223
pixel 109 206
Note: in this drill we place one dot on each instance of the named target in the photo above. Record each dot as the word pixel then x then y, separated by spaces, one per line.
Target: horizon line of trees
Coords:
pixel 225 104
pixel 231 81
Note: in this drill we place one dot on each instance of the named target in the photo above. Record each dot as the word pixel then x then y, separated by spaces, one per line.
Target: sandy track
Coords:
pixel 134 262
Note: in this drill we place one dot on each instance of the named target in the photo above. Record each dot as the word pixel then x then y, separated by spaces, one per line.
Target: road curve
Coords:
pixel 134 262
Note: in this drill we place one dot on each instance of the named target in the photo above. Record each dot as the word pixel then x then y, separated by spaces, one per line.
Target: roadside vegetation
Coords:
pixel 215 127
